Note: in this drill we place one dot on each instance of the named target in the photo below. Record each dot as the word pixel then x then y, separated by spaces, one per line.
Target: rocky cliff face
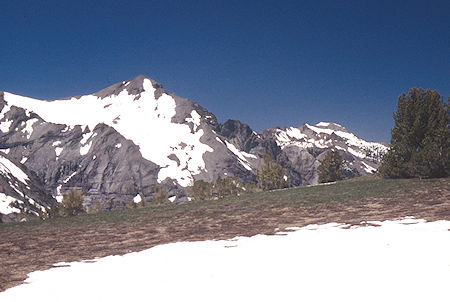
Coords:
pixel 118 144
pixel 22 194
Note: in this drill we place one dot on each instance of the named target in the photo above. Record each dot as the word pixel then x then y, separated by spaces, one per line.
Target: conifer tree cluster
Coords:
pixel 330 168
pixel 271 175
pixel 420 139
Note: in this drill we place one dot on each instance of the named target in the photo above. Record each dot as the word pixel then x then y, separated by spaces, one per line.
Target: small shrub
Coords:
pixel 95 208
pixel 160 196
pixel 251 188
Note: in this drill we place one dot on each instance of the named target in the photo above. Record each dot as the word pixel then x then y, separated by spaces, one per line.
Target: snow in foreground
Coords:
pixel 407 260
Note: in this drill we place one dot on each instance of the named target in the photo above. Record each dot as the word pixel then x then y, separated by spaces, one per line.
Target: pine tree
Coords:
pixel 201 190
pixel 420 139
pixel 71 205
pixel 271 175
pixel 330 168
pixel 228 186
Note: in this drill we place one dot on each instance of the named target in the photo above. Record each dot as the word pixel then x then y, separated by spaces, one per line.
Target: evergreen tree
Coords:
pixel 228 186
pixel 330 168
pixel 201 190
pixel 71 205
pixel 420 139
pixel 271 175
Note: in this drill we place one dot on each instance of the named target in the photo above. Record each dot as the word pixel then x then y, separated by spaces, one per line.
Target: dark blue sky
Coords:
pixel 266 63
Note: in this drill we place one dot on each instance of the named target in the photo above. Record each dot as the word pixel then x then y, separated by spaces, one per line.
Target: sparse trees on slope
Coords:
pixel 330 168
pixel 420 139
pixel 271 175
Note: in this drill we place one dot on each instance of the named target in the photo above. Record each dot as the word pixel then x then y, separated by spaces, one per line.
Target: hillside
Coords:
pixel 37 245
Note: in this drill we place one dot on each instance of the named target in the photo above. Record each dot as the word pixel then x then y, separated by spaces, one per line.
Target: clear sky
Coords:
pixel 266 63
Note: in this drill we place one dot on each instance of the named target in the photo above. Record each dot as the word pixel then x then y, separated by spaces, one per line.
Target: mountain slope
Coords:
pixel 21 193
pixel 116 145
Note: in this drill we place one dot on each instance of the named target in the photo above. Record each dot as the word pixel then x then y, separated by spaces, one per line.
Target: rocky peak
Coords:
pixel 134 86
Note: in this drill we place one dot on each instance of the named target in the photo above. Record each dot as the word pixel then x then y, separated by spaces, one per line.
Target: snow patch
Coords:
pixel 323 124
pixel 4 126
pixel 137 198
pixel 59 196
pixel 118 146
pixel 5 202
pixel 195 119
pixel 356 153
pixel 319 130
pixel 28 129
pixel 241 155
pixel 58 151
pixel 68 178
pixel 86 147
pixel 7 167
pixel 4 110
pixel 368 168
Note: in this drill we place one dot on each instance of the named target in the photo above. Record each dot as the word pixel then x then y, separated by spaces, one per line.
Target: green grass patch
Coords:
pixel 357 189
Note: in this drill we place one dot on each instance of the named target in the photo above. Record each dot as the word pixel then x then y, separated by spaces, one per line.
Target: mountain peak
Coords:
pixel 329 125
pixel 134 86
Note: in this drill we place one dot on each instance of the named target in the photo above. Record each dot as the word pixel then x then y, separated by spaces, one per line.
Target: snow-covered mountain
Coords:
pixel 303 149
pixel 116 145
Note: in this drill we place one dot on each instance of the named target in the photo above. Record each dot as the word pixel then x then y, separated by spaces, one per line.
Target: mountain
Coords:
pixel 116 145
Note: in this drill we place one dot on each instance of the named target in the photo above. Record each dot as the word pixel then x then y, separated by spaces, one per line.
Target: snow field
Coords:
pixel 395 261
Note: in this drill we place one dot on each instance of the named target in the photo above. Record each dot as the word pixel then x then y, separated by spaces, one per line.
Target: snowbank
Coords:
pixel 404 260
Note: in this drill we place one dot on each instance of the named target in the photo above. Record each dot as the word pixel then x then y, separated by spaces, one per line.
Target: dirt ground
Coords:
pixel 32 247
